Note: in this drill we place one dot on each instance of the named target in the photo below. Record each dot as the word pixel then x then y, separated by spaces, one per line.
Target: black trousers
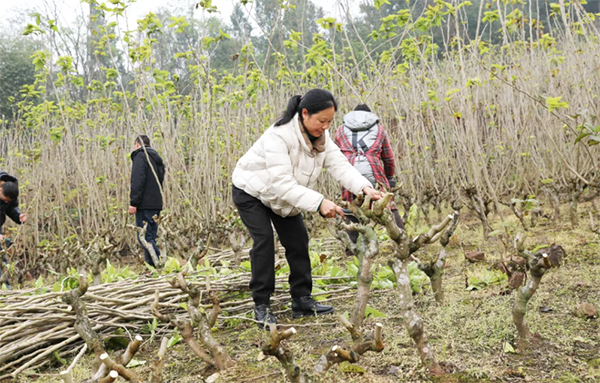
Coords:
pixel 294 238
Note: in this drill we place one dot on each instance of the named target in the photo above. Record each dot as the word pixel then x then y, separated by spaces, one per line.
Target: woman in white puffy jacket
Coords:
pixel 273 182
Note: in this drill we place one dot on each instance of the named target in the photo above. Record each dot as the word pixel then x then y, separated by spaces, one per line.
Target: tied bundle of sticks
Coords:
pixel 37 326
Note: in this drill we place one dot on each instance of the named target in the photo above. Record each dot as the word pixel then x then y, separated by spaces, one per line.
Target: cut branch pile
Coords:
pixel 36 326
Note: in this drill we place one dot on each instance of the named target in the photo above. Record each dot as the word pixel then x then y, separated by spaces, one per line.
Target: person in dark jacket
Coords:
pixel 9 206
pixel 146 197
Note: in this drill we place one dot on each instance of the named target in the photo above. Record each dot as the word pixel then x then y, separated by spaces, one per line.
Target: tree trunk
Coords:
pixel 573 205
pixel 220 356
pixel 367 248
pixel 365 277
pixel 412 320
pixel 519 310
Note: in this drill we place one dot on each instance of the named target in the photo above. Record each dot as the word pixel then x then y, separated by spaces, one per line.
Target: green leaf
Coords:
pixel 582 136
pixel 350 368
pixel 554 103
pixel 59 359
pixel 450 92
pixel 485 278
pixel 56 287
pixel 39 283
pixel 134 363
pixel 594 139
pixel 32 29
pixel 224 35
pixel 473 81
pixel 176 338
pixel 508 348
pixel 379 3
pixel 172 265
pixel 370 311
pixel 490 16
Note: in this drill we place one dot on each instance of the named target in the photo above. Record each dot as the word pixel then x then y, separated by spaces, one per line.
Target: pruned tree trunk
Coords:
pixel 537 264
pixel 365 249
pixel 556 203
pixel 435 269
pixel 481 208
pixel 82 322
pixel 132 349
pixel 237 240
pixel 97 272
pixel 517 209
pixel 435 273
pixel 285 357
pixel 425 211
pixel 199 253
pixel 573 205
pixel 412 320
pixel 197 319
pixel 593 227
pixel 576 190
pixel 159 362
pixel 438 206
pixel 108 369
pixel 334 356
pixel 360 346
pixel 404 248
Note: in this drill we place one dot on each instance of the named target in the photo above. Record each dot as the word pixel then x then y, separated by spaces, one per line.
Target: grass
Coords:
pixel 469 332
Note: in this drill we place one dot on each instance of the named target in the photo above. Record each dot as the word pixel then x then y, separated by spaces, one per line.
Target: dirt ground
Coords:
pixel 472 333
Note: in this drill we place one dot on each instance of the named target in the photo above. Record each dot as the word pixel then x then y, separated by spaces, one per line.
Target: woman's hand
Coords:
pixel 329 209
pixel 372 193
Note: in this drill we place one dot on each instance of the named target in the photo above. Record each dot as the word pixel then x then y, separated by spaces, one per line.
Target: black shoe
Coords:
pixel 264 315
pixel 307 306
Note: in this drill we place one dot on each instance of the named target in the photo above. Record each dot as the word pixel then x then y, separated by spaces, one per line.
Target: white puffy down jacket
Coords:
pixel 280 169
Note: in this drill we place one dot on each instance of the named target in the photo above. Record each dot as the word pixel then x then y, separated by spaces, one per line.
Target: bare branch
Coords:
pixel 67 375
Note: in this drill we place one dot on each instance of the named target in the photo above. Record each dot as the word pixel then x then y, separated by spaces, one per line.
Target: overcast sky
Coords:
pixel 69 9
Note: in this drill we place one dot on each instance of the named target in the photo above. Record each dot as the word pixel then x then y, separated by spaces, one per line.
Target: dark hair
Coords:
pixel 313 101
pixel 10 190
pixel 363 107
pixel 143 140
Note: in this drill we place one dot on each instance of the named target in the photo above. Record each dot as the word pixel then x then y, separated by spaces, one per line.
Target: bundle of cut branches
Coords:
pixel 36 326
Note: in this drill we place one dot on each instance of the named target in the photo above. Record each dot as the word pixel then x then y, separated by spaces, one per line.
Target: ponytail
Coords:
pixel 291 110
pixel 313 101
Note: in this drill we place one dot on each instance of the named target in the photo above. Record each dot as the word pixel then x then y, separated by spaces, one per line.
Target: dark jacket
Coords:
pixel 10 209
pixel 145 190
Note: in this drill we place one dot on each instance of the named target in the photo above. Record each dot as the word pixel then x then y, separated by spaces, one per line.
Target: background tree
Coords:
pixel 16 70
